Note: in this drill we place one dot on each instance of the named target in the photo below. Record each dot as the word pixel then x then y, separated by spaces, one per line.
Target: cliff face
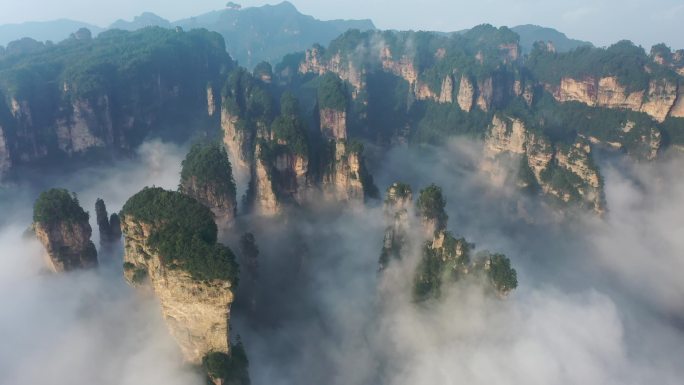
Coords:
pixel 96 99
pixel 333 123
pixel 237 142
pixel 222 204
pixel 398 204
pixel 566 172
pixel 212 102
pixel 5 159
pixel 67 244
pixel 444 259
pixel 657 101
pixel 343 180
pixel 466 93
pixel 402 67
pixel 196 312
pixel 316 63
pixel 265 200
pixel 88 127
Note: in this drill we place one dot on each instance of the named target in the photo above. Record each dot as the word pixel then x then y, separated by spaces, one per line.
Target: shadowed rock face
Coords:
pixel 196 312
pixel 62 226
pixel 68 245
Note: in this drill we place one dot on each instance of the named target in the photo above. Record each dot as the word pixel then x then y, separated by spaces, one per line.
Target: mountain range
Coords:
pixel 254 34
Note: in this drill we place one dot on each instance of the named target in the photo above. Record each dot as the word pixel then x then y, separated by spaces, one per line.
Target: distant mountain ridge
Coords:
pixel 257 34
pixel 529 34
pixel 270 32
pixel 55 30
pixel 146 19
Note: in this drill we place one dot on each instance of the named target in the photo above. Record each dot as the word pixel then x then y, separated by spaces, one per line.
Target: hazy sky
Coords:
pixel 601 21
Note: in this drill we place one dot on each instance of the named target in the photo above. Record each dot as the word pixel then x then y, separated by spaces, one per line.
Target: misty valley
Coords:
pixel 256 196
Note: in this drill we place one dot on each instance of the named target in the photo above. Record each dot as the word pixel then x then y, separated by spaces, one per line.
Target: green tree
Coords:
pixel 431 205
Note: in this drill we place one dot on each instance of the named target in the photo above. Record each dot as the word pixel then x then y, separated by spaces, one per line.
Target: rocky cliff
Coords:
pixel 346 178
pixel 109 226
pixel 61 225
pixel 398 209
pixel 265 200
pixel 333 123
pixel 564 171
pixel 444 259
pixel 658 100
pixel 170 246
pixel 83 96
pixel 197 313
pixel 5 159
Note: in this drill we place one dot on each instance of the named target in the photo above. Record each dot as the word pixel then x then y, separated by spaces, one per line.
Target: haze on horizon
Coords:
pixel 602 22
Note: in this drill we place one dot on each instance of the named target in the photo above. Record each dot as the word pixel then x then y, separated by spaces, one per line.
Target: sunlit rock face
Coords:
pixel 197 312
pixel 566 172
pixel 658 100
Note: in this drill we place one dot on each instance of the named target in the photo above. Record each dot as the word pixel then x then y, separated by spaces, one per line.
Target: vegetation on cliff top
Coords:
pixel 289 129
pixel 233 369
pixel 332 93
pixel 114 59
pixel 628 62
pixel 184 233
pixel 431 204
pixel 58 205
pixel 448 262
pixel 208 165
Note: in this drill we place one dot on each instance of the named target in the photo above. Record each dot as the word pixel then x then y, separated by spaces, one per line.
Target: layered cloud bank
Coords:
pixel 599 300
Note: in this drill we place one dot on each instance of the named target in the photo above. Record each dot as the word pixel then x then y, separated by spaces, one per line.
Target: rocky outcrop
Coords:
pixel 223 204
pixel 110 227
pixel 293 171
pixel 343 180
pixel 398 203
pixel 237 141
pixel 565 172
pixel 612 95
pixel 447 91
pixel 485 95
pixel 576 159
pixel 660 99
pixel 584 91
pixel 88 127
pixel 67 244
pixel 678 108
pixel 657 101
pixel 265 199
pixel 197 312
pixel 211 101
pixel 445 259
pixel 62 226
pixel 466 94
pixel 207 176
pixel 316 62
pixel 402 68
pixel 333 123
pixel 5 159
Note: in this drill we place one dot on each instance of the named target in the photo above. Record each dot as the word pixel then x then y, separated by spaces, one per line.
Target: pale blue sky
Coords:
pixel 601 21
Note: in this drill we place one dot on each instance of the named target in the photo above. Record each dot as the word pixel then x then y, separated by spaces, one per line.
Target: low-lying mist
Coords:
pixel 599 299
pixel 84 327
